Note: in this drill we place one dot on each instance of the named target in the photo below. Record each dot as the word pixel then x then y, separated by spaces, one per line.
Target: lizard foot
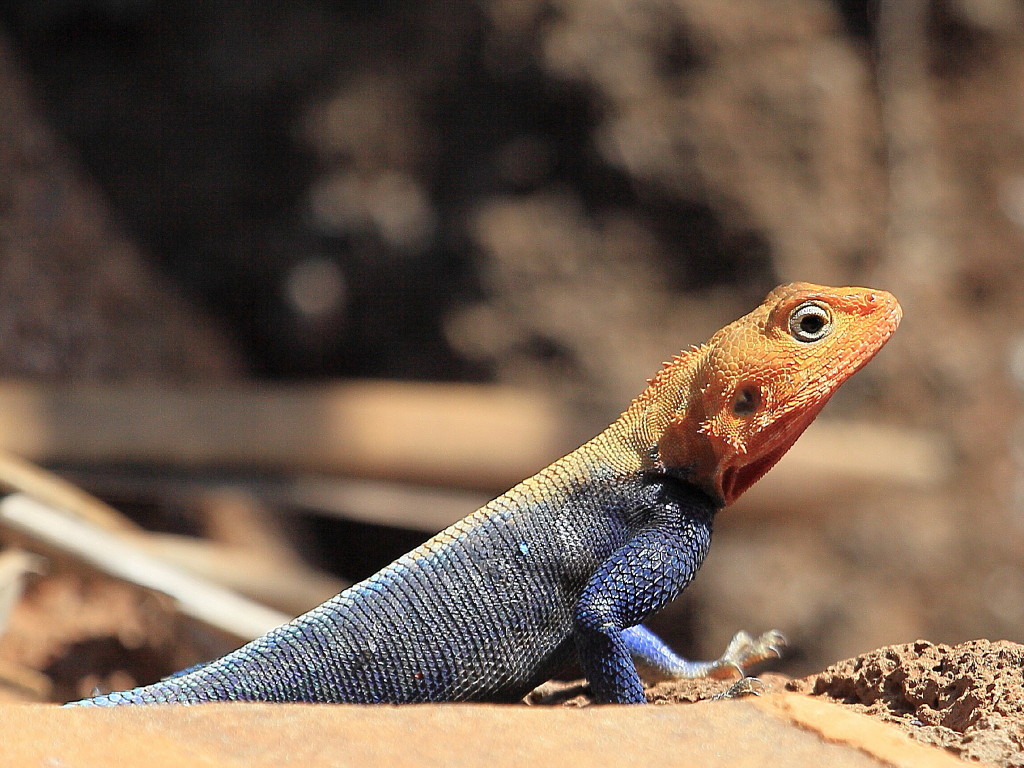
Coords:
pixel 745 650
pixel 556 692
pixel 747 686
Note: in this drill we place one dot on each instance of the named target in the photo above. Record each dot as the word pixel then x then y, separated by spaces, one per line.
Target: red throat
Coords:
pixel 735 479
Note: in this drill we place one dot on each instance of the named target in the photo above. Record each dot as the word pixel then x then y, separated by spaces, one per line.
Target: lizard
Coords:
pixel 565 566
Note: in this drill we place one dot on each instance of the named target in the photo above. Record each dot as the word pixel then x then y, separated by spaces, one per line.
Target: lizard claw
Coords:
pixel 745 650
pixel 747 686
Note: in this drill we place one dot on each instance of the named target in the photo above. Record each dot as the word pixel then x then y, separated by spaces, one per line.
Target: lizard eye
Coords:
pixel 810 322
pixel 746 400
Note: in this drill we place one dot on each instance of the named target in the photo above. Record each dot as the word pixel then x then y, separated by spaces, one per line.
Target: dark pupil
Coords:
pixel 812 324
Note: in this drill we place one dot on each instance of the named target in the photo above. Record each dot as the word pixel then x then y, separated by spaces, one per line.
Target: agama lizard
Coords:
pixel 565 565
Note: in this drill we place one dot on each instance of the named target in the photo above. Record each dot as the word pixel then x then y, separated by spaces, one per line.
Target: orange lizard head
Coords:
pixel 744 398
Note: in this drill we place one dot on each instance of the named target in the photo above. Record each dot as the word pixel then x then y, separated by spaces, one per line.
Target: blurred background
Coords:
pixel 295 284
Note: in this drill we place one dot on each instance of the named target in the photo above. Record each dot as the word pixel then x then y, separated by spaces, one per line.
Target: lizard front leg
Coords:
pixel 637 580
pixel 655 661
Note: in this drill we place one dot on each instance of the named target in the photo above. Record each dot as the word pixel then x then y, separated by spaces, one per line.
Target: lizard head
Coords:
pixel 743 398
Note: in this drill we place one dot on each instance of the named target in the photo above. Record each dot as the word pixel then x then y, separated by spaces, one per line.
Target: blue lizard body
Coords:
pixel 486 610
pixel 565 566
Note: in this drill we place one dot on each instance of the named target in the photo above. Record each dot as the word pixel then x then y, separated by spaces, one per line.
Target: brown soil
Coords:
pixel 73 633
pixel 967 698
pixel 690 691
pixel 577 694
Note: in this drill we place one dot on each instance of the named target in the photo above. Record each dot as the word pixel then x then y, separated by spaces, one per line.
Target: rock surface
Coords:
pixel 777 730
pixel 967 698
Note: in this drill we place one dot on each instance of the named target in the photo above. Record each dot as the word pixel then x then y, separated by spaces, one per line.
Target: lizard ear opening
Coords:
pixel 746 400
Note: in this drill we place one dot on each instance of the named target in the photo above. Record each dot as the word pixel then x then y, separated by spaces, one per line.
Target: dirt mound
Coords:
pixel 968 698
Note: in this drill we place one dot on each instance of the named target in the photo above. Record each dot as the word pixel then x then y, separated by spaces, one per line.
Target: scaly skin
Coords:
pixel 564 566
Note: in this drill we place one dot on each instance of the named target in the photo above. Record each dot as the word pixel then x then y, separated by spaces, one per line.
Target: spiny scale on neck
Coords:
pixel 631 441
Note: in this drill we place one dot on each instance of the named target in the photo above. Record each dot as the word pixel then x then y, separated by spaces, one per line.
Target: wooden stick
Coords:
pixel 114 555
pixel 377 502
pixel 460 436
pixel 16 474
pixel 833 460
pixel 843 460
pixel 454 434
pixel 291 587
